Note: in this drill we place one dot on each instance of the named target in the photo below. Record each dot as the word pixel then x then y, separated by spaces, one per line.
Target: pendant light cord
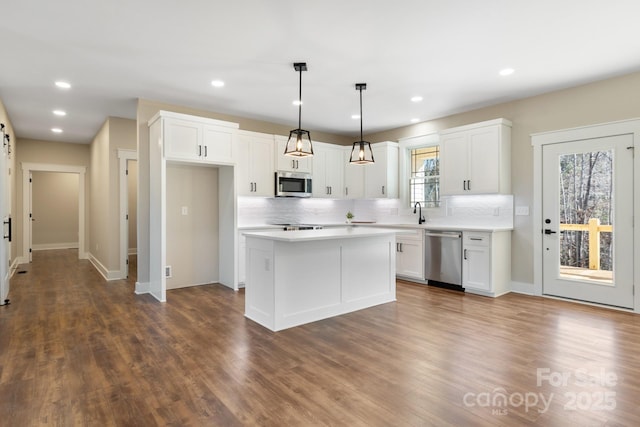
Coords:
pixel 300 101
pixel 361 138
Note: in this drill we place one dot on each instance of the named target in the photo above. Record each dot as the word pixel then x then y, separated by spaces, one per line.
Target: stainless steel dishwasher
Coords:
pixel 443 257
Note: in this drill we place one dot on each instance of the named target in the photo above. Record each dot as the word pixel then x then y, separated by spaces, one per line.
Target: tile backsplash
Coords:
pixel 485 210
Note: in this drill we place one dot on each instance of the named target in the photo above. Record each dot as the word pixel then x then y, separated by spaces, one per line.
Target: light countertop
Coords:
pixel 323 234
pixel 427 226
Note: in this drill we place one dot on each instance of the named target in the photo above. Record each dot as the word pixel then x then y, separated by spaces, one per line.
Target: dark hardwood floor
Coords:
pixel 77 350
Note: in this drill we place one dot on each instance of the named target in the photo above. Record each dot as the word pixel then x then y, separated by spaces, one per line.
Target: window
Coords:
pixel 424 178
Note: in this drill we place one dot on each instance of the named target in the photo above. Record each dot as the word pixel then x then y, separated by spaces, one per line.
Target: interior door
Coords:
pixel 588 220
pixel 5 212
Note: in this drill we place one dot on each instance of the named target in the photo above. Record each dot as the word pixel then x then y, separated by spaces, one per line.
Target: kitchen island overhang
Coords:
pixel 298 277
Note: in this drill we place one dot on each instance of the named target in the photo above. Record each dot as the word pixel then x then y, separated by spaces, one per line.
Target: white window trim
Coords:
pixel 404 172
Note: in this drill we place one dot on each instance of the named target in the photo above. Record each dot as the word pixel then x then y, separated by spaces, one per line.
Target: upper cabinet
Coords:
pixel 381 177
pixel 476 159
pixel 288 163
pixel 255 166
pixel 197 139
pixel 328 169
pixel 353 177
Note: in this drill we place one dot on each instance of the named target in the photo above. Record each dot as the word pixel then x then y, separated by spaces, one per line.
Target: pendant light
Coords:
pixel 299 143
pixel 361 153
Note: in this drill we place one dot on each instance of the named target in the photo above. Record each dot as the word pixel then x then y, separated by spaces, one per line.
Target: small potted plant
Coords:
pixel 349 217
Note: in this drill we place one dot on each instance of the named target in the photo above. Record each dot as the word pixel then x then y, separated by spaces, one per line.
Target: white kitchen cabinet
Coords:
pixel 381 177
pixel 486 262
pixel 410 255
pixel 198 139
pixel 255 164
pixel 353 177
pixel 288 163
pixel 328 170
pixel 476 159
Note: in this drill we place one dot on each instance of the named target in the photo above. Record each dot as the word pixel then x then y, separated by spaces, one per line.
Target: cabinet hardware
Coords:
pixel 383 190
pixel 401 248
pixel 346 191
pixel 464 185
pixel 293 164
pixel 469 184
pixel 465 254
pixel 199 150
pixel 297 164
pixel 475 238
pixel 205 151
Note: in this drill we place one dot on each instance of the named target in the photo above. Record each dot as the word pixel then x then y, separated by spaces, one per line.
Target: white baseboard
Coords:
pixel 14 266
pixel 522 288
pixel 52 246
pixel 142 288
pixel 107 274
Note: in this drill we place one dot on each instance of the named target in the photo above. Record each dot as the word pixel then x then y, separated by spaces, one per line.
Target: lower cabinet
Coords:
pixel 486 262
pixel 410 255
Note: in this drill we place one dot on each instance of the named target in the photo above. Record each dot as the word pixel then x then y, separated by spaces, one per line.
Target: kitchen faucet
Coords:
pixel 421 219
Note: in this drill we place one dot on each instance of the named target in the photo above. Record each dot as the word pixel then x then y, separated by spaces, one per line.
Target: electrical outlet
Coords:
pixel 522 210
pixel 167 271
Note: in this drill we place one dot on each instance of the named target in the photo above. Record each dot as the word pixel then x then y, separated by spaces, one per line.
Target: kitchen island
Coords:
pixel 297 277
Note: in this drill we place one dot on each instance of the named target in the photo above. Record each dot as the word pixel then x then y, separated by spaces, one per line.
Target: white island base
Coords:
pixel 297 277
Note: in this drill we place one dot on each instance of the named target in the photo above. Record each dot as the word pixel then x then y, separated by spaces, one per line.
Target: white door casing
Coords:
pixel 538 141
pixel 619 291
pixel 27 168
pixel 124 156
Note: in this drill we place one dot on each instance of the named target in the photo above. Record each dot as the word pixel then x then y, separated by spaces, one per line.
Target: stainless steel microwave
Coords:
pixel 293 184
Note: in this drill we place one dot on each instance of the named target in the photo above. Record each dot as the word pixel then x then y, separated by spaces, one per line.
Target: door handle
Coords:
pixel 8 222
pixel 548 231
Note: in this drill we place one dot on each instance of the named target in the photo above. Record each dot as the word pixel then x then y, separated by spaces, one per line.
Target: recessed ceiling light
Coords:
pixel 415 120
pixel 507 71
pixel 60 113
pixel 63 85
pixel 416 99
pixel 297 102
pixel 355 116
pixel 217 83
pixel 56 130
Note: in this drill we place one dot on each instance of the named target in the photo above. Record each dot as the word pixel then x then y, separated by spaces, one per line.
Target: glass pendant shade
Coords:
pixel 299 142
pixel 361 153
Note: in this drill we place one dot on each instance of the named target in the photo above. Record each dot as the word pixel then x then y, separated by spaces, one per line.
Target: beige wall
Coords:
pixel 599 102
pixel 55 210
pixel 46 152
pixel 146 110
pixel 104 242
pixel 192 238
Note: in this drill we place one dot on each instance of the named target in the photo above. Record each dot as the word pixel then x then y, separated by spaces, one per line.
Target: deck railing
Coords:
pixel 594 228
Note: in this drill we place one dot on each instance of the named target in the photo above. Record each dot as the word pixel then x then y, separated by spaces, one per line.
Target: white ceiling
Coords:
pixel 449 52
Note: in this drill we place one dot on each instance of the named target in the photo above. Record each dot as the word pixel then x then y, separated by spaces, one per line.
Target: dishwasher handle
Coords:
pixel 450 235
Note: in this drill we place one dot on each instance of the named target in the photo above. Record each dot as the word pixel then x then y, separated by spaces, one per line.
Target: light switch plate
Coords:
pixel 185 210
pixel 522 210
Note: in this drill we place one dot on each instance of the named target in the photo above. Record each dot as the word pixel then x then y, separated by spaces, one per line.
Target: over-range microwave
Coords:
pixel 292 184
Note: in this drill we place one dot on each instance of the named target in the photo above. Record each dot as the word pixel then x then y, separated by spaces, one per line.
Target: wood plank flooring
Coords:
pixel 77 350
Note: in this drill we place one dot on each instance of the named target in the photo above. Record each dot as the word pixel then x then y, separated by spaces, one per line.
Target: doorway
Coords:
pixel 27 195
pixel 54 210
pixel 586 193
pixel 587 208
pixel 128 178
